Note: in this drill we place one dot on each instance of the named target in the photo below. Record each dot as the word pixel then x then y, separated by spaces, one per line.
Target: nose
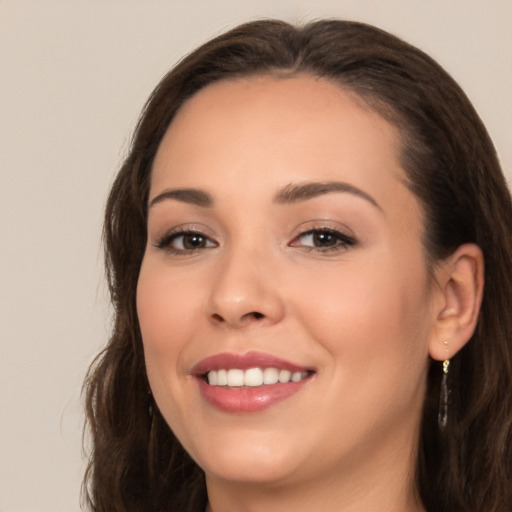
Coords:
pixel 245 292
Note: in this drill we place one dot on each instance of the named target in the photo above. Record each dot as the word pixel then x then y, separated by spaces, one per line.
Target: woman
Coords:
pixel 295 248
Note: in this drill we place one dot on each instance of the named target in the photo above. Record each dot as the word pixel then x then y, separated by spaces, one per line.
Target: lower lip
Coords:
pixel 248 399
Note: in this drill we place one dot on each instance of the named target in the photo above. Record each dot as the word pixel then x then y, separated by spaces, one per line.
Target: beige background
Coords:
pixel 73 77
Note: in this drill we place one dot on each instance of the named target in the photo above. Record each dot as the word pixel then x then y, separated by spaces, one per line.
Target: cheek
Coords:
pixel 375 329
pixel 373 312
pixel 165 309
pixel 166 301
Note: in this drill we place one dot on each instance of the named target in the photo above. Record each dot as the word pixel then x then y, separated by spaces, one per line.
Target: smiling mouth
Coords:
pixel 253 377
pixel 250 382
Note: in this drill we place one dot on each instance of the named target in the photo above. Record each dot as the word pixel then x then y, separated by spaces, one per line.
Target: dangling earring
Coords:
pixel 150 406
pixel 442 417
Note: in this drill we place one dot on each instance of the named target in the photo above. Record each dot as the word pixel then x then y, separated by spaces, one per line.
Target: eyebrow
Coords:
pixel 294 193
pixel 185 195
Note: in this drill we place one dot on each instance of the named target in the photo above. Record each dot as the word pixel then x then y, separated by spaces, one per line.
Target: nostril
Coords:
pixel 239 320
pixel 253 315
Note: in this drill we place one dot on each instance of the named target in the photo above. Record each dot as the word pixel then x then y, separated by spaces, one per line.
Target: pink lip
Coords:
pixel 246 399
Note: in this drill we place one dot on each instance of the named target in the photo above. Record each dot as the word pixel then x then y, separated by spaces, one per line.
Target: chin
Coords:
pixel 250 461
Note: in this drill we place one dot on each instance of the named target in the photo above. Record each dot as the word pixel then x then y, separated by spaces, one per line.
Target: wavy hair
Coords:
pixel 136 463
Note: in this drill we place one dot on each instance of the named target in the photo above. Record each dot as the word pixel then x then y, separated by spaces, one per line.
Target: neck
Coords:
pixel 310 498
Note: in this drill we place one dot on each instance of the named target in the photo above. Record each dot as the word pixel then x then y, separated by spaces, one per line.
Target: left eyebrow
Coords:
pixel 294 193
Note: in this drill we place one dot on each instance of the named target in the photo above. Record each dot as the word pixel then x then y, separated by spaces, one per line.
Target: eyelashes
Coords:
pixel 185 241
pixel 323 239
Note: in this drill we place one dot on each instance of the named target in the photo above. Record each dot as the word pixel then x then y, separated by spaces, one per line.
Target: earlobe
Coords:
pixel 461 281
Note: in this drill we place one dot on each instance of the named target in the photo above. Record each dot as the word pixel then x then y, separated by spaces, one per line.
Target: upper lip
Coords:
pixel 225 361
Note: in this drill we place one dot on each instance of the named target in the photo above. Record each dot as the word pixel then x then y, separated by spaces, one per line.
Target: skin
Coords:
pixel 363 315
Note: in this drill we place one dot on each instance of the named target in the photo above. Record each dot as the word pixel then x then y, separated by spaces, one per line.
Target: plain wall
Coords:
pixel 73 78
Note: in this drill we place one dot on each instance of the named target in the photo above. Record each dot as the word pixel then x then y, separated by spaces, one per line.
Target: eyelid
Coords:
pixel 171 237
pixel 345 240
pixel 164 241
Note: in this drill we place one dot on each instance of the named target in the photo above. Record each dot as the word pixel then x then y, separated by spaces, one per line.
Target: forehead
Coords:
pixel 294 128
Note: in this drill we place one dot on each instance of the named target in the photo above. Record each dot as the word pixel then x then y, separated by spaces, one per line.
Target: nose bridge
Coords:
pixel 245 288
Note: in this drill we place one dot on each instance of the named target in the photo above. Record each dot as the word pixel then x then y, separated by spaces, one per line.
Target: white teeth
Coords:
pixel 235 378
pixel 212 378
pixel 270 376
pixel 296 376
pixel 284 376
pixel 252 377
pixel 222 377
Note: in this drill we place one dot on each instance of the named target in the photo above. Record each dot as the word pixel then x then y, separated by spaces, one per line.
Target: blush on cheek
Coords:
pixel 154 304
pixel 167 324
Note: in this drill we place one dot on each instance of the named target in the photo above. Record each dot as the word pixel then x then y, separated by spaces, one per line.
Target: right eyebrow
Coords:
pixel 193 196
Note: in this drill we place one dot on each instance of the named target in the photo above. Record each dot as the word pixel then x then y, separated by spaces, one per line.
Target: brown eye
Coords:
pixel 185 241
pixel 323 240
pixel 192 241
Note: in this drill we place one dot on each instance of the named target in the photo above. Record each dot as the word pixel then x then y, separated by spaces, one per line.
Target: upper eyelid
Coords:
pixel 338 232
pixel 304 229
pixel 323 225
pixel 185 228
pixel 163 241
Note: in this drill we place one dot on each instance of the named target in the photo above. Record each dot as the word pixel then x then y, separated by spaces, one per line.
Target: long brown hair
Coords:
pixel 136 463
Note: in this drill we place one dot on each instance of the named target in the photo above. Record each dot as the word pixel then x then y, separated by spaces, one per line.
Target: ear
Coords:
pixel 458 297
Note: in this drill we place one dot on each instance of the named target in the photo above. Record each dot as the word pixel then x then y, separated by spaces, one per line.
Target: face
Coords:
pixel 284 265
